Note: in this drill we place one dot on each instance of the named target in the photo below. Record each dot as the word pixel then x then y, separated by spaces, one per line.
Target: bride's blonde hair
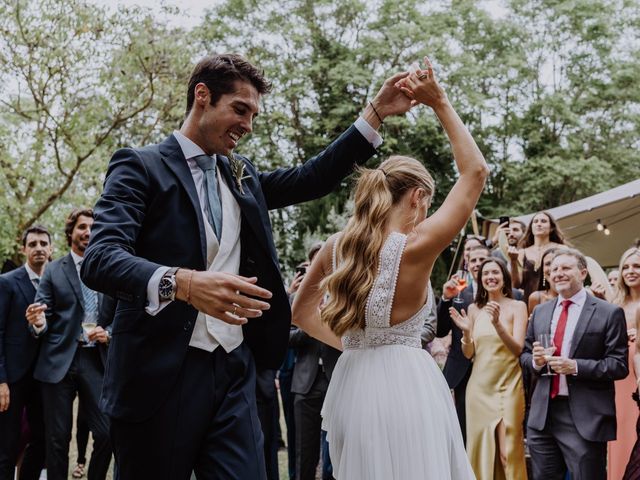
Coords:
pixel 358 248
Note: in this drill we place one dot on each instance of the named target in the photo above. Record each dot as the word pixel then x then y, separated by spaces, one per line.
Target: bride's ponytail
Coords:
pixel 358 248
pixel 357 252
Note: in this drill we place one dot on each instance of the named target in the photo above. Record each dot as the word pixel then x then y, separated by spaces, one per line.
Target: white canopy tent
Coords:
pixel 618 209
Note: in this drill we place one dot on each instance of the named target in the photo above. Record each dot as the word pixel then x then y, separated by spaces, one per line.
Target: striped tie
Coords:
pixel 214 211
pixel 90 298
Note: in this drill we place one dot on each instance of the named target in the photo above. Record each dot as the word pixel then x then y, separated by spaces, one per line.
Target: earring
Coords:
pixel 544 282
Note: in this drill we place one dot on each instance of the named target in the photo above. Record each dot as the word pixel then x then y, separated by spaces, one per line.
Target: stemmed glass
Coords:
pixel 546 341
pixel 462 284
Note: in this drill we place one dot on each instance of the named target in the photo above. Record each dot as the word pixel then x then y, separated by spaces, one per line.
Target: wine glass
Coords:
pixel 89 323
pixel 462 284
pixel 546 341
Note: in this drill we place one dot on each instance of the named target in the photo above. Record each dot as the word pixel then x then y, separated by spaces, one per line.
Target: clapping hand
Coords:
pixel 513 253
pixel 493 309
pixel 598 290
pixel 461 319
pixel 423 87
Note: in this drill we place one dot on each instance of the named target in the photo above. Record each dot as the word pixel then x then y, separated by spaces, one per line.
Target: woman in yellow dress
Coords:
pixel 493 335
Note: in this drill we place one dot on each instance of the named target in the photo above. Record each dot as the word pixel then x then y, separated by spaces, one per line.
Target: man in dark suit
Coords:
pixel 18 352
pixel 573 413
pixel 457 368
pixel 183 241
pixel 311 375
pixel 66 364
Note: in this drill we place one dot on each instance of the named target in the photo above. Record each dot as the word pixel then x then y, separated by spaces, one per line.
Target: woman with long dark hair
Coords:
pixel 542 234
pixel 545 290
pixel 493 335
pixel 388 411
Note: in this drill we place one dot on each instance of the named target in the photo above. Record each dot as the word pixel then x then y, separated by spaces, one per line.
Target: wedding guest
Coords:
pixel 545 290
pixel 632 471
pixel 19 391
pixel 514 232
pixel 612 277
pixel 542 233
pixel 457 368
pixel 67 364
pixel 493 334
pixel 573 413
pixel 627 297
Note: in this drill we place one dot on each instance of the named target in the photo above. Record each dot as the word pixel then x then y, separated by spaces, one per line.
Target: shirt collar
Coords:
pixel 578 299
pixel 32 275
pixel 76 258
pixel 188 147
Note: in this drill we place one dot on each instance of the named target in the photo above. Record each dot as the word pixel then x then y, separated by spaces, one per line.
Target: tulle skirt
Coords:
pixel 389 415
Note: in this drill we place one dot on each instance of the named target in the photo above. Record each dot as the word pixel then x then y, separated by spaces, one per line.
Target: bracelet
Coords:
pixel 189 287
pixel 376 112
pixel 466 343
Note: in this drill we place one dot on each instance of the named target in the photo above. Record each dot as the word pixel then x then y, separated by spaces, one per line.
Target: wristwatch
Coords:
pixel 167 287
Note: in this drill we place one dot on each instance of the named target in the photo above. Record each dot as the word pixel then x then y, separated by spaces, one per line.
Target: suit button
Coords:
pixel 187 326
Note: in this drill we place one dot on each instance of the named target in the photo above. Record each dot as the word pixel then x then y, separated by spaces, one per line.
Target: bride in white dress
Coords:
pixel 388 412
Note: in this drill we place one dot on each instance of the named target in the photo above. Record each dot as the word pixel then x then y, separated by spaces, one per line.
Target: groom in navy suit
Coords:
pixel 183 241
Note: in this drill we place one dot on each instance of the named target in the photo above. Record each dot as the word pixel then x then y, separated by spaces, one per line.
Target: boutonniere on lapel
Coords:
pixel 237 170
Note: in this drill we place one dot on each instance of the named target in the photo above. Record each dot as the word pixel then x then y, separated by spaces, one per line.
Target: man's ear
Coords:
pixel 202 94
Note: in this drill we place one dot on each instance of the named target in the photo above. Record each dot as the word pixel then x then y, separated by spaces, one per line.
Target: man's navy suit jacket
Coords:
pixel 18 347
pixel 61 292
pixel 149 216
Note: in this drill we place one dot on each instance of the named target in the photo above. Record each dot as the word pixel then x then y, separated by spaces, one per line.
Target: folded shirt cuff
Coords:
pixel 368 132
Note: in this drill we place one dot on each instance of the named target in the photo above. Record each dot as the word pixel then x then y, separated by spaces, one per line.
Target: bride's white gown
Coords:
pixel 388 413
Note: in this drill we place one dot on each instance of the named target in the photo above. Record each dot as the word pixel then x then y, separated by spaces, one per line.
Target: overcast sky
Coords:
pixel 194 9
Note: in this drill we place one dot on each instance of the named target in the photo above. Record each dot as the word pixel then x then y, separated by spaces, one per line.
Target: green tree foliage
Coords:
pixel 547 88
pixel 77 83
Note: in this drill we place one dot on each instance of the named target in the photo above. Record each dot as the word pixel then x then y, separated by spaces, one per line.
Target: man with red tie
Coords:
pixel 573 411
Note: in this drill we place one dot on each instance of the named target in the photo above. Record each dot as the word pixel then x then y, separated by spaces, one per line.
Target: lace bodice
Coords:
pixel 378 331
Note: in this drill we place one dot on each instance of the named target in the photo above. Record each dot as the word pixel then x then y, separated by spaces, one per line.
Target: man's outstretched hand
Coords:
pixel 222 295
pixel 389 100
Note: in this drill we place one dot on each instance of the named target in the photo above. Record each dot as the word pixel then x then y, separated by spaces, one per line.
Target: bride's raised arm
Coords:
pixel 308 299
pixel 437 231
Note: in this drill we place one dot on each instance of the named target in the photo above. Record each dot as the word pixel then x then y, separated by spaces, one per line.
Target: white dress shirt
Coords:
pixel 575 309
pixel 210 332
pixel 33 276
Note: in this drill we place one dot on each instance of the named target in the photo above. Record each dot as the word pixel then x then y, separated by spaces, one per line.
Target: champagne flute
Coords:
pixel 89 323
pixel 546 341
pixel 462 284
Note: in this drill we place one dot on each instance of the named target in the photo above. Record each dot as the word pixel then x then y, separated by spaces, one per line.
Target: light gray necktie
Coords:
pixel 36 282
pixel 90 298
pixel 214 211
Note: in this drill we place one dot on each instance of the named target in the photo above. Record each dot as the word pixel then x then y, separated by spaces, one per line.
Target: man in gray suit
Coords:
pixel 67 365
pixel 573 413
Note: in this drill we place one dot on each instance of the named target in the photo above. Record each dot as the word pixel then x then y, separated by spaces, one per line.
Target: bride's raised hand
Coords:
pixel 461 319
pixel 423 87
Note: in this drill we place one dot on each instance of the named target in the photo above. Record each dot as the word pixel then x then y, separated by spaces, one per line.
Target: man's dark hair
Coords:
pixel 72 219
pixel 35 229
pixel 220 73
pixel 482 296
pixel 522 224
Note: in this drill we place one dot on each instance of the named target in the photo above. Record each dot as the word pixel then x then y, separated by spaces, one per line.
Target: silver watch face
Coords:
pixel 165 288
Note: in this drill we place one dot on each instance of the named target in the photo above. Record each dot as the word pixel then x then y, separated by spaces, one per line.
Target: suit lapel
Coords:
pixel 25 285
pixel 583 322
pixel 249 207
pixel 173 157
pixel 69 269
pixel 547 316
